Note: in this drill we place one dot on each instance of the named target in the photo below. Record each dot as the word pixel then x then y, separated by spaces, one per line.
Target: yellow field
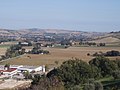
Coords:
pixel 109 41
pixel 60 55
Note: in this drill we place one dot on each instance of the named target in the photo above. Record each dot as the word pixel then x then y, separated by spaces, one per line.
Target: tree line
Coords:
pixel 108 53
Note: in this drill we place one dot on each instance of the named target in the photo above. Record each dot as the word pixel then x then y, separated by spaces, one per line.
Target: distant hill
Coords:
pixel 36 31
pixel 115 34
pixel 108 39
pixel 6 32
pixel 111 39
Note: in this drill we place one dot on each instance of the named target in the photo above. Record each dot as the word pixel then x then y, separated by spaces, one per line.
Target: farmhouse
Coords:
pixel 7 71
pixel 12 70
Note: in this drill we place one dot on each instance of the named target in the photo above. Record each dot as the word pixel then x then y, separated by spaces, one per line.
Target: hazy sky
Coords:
pixel 84 15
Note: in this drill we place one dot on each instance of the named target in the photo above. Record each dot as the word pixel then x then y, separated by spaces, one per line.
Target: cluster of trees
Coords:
pixel 13 51
pixel 92 44
pixel 108 53
pixel 37 50
pixel 45 83
pixel 92 85
pixel 6 39
pixel 79 75
pixel 101 44
pixel 88 43
pixel 66 42
pixel 16 50
pixel 112 53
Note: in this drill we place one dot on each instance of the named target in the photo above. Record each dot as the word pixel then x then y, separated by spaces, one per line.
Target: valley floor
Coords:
pixel 59 55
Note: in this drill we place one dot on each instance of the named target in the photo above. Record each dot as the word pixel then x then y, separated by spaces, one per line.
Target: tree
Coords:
pixel 73 72
pixel 93 85
pixel 35 51
pixel 89 87
pixel 117 61
pixel 112 53
pixel 45 52
pixel 7 66
pixel 3 57
pixel 14 50
pixel 36 79
pixel 26 74
pixel 19 43
pixel 105 66
pixel 37 46
pixel 98 86
pixel 45 83
pixel 116 74
pixel 101 44
pixel 29 44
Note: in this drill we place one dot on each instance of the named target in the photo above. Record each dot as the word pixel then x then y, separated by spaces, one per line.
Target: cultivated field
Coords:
pixel 60 55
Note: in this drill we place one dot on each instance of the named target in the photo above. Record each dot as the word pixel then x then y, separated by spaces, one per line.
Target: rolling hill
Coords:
pixel 36 31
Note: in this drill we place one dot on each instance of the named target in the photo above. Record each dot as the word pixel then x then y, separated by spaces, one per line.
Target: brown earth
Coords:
pixel 60 55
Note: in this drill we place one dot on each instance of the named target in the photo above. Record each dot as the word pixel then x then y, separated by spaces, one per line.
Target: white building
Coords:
pixel 7 72
pixel 32 68
pixel 14 69
pixel 10 72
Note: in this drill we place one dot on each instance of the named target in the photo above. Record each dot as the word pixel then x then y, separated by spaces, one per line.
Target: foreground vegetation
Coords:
pixel 100 73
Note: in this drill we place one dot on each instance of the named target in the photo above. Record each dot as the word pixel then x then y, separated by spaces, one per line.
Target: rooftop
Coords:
pixel 30 67
pixel 9 70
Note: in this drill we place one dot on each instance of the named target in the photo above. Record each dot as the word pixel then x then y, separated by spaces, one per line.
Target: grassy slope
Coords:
pixel 110 41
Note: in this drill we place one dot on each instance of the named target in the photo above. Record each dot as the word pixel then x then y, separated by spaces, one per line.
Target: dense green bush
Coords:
pixel 116 74
pixel 112 53
pixel 74 72
pixel 105 66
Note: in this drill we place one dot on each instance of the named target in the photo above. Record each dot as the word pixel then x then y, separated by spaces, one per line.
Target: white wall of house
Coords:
pixel 43 68
pixel 24 69
pixel 9 74
pixel 38 69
